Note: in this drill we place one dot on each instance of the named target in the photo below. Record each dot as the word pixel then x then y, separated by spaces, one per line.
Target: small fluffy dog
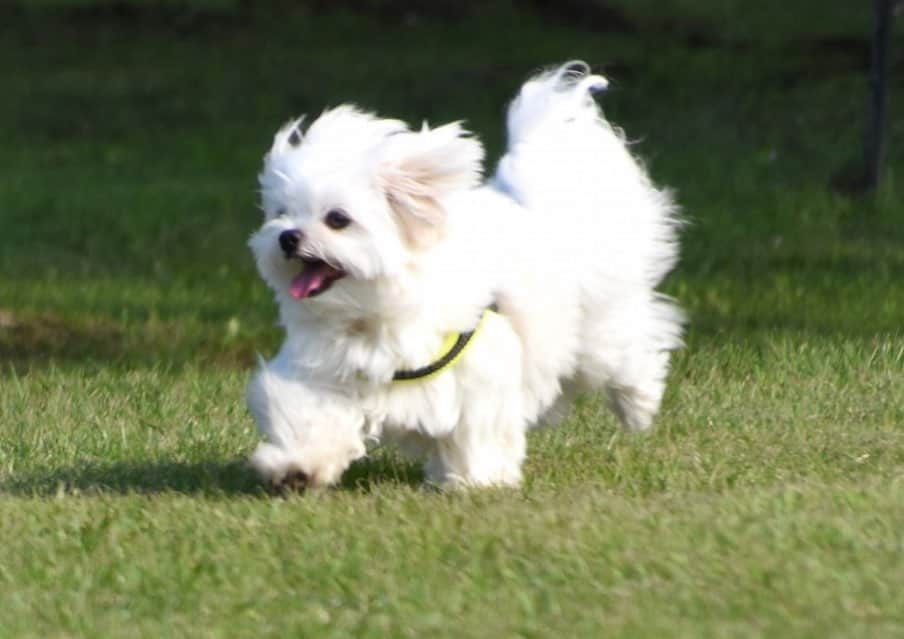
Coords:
pixel 446 315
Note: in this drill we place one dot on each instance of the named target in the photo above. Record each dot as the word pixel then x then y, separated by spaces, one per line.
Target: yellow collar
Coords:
pixel 454 346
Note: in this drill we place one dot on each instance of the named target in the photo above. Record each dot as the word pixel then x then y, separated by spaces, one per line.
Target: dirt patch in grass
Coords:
pixel 28 341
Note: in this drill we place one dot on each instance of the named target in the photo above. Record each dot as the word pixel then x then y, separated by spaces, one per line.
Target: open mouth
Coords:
pixel 316 276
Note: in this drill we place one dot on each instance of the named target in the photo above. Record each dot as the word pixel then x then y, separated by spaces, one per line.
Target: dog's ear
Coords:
pixel 419 168
pixel 288 137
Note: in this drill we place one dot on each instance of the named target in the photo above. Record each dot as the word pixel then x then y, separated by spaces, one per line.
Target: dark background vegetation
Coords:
pixel 133 131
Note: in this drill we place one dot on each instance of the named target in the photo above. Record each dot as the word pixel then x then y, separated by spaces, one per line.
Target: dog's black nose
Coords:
pixel 289 241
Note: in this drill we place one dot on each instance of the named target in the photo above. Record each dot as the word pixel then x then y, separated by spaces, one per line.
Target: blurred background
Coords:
pixel 132 132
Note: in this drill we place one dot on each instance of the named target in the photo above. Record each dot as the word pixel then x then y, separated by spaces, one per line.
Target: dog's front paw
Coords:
pixel 277 468
pixel 299 469
pixel 295 481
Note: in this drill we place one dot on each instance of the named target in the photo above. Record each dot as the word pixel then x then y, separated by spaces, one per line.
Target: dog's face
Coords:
pixel 353 200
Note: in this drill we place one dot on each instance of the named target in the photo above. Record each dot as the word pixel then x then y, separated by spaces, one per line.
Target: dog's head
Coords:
pixel 355 199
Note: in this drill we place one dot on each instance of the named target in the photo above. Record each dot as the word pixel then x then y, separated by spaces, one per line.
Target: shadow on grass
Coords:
pixel 212 477
pixel 143 477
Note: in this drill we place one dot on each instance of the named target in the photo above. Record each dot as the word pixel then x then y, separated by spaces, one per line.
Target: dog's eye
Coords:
pixel 281 213
pixel 337 219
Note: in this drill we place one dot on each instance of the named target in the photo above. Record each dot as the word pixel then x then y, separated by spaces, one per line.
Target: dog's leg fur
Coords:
pixel 486 448
pixel 312 434
pixel 488 443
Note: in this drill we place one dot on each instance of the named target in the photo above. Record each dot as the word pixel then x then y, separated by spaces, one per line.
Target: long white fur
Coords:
pixel 569 239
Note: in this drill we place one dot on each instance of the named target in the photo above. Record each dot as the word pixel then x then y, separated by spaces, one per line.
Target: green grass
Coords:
pixel 768 503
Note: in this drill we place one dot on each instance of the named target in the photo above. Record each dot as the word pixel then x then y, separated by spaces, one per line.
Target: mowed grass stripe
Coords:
pixel 795 560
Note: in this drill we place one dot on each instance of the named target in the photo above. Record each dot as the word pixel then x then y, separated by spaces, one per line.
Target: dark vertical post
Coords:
pixel 875 131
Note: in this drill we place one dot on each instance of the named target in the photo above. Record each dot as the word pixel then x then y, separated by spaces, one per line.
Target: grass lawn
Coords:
pixel 769 502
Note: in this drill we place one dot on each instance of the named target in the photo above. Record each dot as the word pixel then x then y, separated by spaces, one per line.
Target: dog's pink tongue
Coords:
pixel 313 279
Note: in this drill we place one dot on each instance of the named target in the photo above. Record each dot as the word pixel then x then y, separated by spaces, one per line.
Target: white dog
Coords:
pixel 423 307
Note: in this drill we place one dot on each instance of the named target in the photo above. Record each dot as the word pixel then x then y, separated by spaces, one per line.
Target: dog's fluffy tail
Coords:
pixel 553 124
pixel 563 159
pixel 552 99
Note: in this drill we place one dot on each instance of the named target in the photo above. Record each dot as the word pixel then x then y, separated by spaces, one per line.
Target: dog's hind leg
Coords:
pixel 627 354
pixel 635 395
